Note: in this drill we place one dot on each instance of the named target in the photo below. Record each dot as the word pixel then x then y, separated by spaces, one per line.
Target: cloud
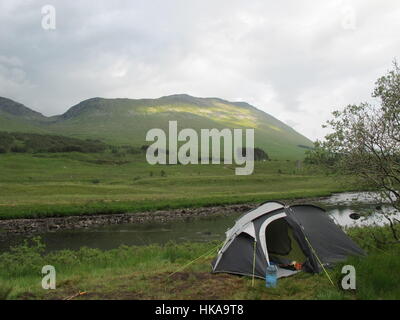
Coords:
pixel 298 61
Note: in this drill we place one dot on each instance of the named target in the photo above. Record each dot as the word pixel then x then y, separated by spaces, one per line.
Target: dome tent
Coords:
pixel 277 233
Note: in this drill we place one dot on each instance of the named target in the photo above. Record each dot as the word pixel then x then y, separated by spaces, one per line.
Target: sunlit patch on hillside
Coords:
pixel 219 112
pixel 275 128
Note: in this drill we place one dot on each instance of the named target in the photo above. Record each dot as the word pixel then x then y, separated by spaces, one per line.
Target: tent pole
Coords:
pixel 254 261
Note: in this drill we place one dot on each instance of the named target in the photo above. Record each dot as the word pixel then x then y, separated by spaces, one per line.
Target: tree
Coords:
pixel 321 156
pixel 259 154
pixel 367 138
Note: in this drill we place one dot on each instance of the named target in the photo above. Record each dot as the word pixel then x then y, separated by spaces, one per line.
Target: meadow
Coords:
pixel 57 184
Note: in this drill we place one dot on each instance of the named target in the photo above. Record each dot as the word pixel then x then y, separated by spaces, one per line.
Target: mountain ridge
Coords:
pixel 17 109
pixel 126 121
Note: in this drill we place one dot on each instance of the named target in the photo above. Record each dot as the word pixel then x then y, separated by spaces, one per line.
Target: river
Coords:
pixel 338 206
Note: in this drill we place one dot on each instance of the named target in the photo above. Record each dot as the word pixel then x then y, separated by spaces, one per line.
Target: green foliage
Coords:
pixel 365 139
pixel 259 154
pixel 373 238
pixel 39 143
pixel 321 156
pixel 23 259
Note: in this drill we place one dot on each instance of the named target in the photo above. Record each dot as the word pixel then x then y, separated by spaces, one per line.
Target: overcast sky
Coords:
pixel 297 60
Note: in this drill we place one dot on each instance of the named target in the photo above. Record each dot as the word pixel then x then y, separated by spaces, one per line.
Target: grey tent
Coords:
pixel 277 233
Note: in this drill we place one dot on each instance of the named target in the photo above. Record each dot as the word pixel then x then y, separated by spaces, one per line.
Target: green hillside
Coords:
pixel 126 121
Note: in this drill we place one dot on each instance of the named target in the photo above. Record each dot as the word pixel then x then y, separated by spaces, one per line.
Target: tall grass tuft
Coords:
pixel 377 277
pixel 5 292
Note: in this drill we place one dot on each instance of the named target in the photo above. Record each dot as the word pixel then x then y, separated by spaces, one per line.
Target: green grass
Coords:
pixel 67 184
pixel 376 274
pixel 164 272
pixel 376 277
pixel 148 272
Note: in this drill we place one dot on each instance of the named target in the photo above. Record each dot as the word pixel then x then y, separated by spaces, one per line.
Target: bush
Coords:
pixel 372 238
pixel 23 259
pixel 259 154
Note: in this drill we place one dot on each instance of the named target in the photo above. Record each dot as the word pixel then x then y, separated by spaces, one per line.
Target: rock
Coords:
pixel 354 216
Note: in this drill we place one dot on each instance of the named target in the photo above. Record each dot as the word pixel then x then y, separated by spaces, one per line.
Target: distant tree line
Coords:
pixel 15 142
pixel 259 154
pixel 43 143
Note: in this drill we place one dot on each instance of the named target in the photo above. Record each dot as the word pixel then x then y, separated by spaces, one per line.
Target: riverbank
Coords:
pixel 40 225
pixel 170 272
pixel 52 224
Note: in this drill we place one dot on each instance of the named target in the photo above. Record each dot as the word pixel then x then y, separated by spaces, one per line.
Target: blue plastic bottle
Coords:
pixel 271 276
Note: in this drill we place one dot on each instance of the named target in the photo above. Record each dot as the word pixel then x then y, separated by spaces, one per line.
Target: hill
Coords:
pixel 126 121
pixel 15 116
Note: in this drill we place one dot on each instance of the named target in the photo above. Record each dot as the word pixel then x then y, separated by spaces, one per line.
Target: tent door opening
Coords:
pixel 281 246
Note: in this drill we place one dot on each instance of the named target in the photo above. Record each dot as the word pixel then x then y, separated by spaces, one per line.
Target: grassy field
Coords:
pixel 37 185
pixel 159 272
